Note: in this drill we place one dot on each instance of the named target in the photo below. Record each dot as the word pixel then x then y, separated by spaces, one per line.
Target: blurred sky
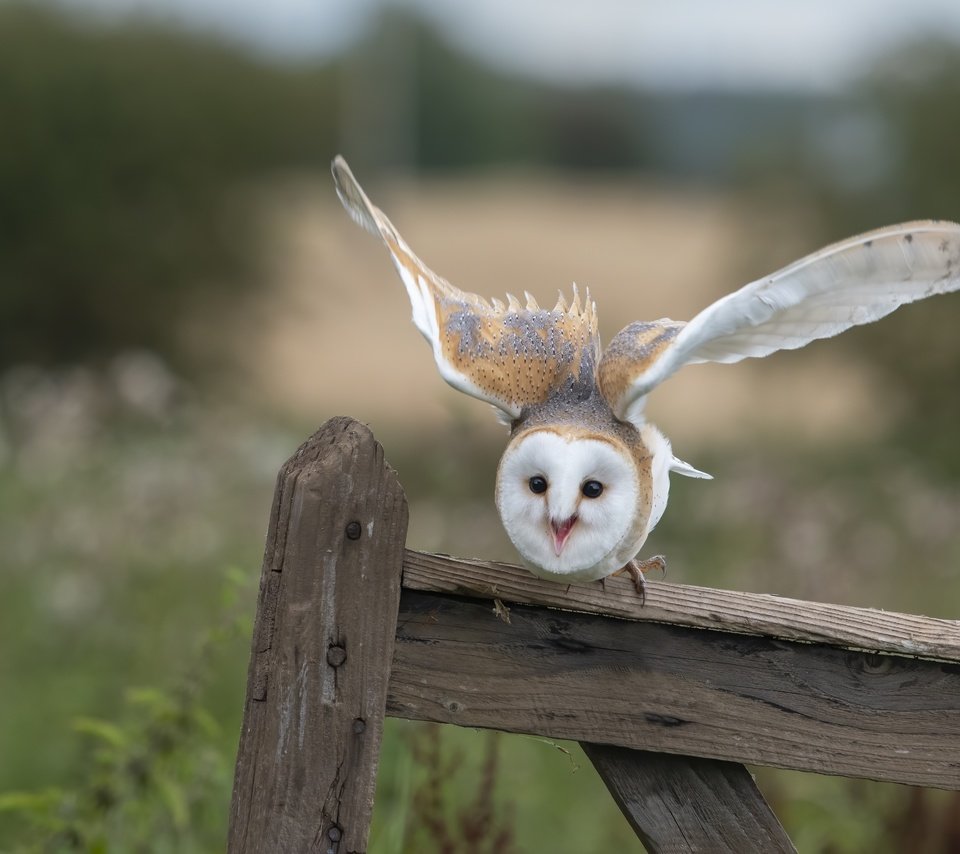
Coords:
pixel 812 45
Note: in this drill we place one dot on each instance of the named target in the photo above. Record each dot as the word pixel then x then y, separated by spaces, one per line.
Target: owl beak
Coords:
pixel 561 531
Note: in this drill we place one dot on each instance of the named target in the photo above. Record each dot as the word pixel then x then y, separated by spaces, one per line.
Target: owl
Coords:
pixel 585 478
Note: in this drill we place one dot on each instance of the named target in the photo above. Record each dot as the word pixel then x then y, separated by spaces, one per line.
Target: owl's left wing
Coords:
pixel 512 355
pixel 853 282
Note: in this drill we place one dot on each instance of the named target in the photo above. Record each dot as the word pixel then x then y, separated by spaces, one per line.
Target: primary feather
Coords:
pixel 510 355
pixel 850 283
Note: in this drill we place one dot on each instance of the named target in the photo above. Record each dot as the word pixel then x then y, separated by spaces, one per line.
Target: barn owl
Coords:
pixel 585 478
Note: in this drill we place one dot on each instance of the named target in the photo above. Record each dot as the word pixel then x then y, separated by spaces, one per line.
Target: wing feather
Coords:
pixel 850 283
pixel 505 354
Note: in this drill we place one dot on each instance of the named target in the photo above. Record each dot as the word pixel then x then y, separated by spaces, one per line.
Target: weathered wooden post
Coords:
pixel 322 646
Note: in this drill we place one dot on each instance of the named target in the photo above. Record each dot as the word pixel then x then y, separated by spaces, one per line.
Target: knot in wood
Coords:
pixel 875 664
pixel 354 530
pixel 336 655
pixel 359 725
pixel 334 833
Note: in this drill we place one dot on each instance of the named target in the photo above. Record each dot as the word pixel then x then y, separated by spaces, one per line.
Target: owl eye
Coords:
pixel 537 484
pixel 592 489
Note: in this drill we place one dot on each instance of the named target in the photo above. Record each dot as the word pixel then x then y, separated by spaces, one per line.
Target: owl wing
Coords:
pixel 852 282
pixel 512 356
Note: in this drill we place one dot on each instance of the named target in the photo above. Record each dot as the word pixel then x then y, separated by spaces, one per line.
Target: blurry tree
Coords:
pixel 914 92
pixel 909 132
pixel 122 157
pixel 597 129
pixel 467 114
pixel 411 99
pixel 884 153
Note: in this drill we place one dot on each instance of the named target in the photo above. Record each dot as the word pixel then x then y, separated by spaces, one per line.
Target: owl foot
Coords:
pixel 657 562
pixel 637 568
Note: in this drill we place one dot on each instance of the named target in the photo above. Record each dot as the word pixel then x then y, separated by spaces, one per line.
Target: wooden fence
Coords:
pixel 667 699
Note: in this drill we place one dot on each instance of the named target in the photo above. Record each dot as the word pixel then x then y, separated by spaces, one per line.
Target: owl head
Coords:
pixel 569 501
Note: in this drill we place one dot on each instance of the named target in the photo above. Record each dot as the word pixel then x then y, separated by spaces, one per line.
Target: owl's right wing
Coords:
pixel 512 356
pixel 852 282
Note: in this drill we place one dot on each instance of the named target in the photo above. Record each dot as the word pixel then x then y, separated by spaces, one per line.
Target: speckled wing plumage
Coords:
pixel 632 353
pixel 852 282
pixel 511 355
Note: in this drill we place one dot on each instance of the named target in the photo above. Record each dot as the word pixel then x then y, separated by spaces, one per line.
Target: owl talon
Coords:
pixel 639 582
pixel 637 568
pixel 658 562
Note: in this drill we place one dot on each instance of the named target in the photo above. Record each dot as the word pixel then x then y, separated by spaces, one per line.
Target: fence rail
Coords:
pixel 667 699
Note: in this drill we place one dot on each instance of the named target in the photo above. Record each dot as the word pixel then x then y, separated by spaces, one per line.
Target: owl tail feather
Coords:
pixel 687 470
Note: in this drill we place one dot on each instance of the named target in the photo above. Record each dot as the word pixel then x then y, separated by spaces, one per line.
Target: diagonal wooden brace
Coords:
pixel 686 804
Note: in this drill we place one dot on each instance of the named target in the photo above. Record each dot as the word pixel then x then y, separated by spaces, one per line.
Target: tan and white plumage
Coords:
pixel 584 478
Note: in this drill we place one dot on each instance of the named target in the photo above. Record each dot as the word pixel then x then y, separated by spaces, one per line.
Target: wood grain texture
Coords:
pixel 674 689
pixel 323 638
pixel 683 804
pixel 701 607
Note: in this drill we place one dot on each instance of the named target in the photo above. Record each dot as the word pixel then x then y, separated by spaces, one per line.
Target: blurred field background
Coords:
pixel 182 301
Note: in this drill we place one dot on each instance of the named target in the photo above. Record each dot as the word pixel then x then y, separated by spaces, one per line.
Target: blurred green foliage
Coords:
pixel 906 144
pixel 123 160
pixel 414 101
pixel 468 115
pixel 155 777
pixel 902 130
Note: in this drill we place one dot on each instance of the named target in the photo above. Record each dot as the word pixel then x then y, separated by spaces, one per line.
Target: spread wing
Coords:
pixel 853 282
pixel 512 355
